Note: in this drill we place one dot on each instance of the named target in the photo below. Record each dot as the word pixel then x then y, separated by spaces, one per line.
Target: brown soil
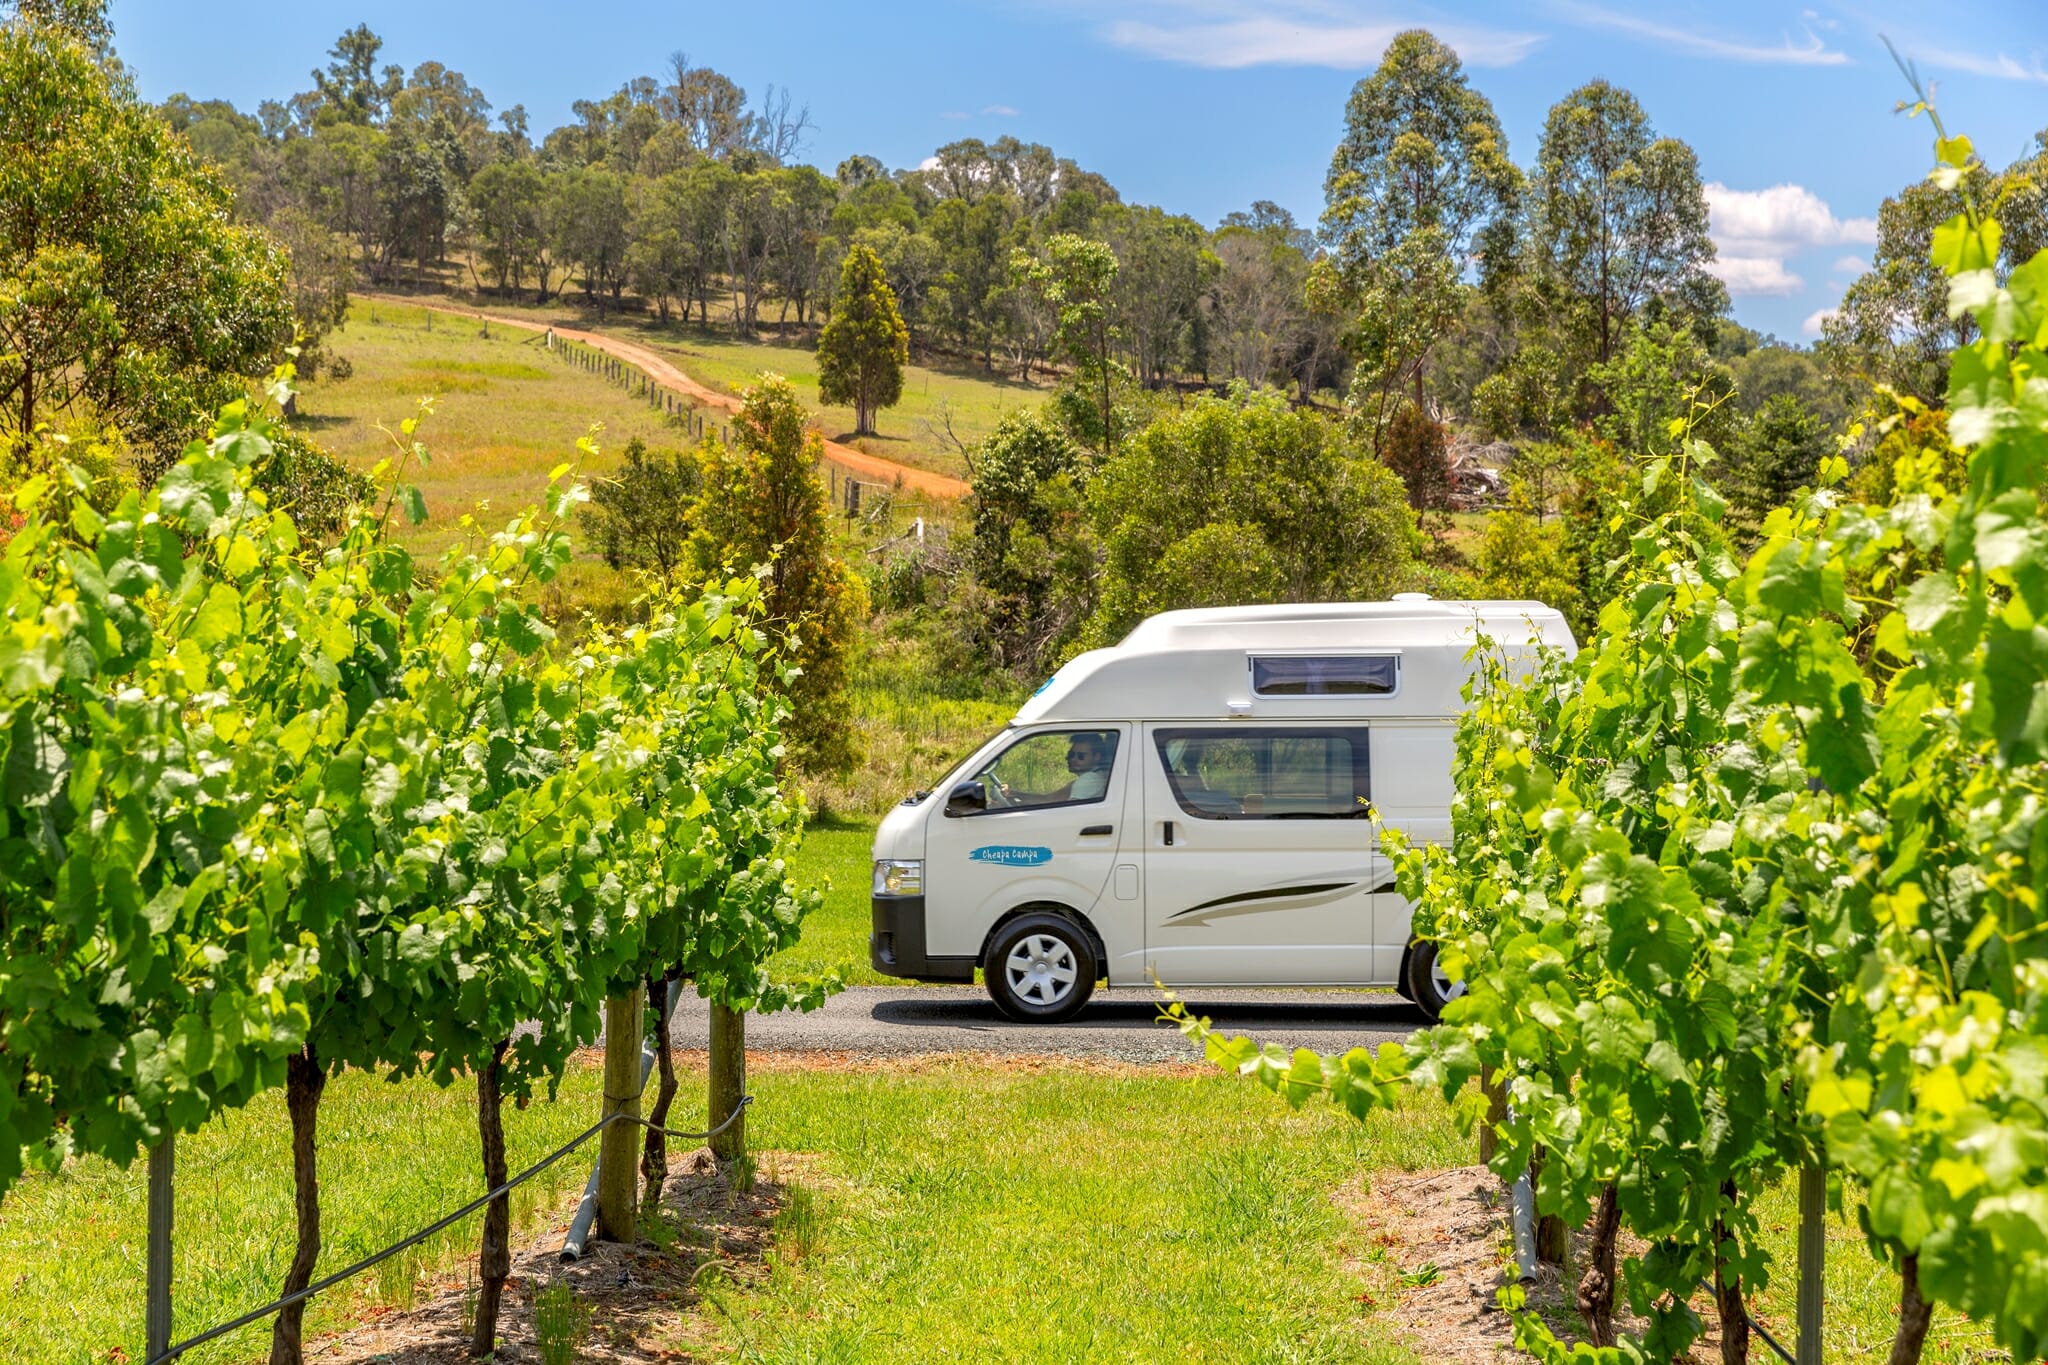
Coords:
pixel 1456 1222
pixel 643 1298
pixel 665 373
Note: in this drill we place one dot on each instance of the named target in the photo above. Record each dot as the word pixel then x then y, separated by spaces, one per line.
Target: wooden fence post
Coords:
pixel 618 1183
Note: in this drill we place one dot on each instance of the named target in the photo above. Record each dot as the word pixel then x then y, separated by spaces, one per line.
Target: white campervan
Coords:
pixel 1192 805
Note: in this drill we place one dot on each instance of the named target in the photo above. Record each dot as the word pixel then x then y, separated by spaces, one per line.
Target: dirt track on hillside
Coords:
pixel 665 373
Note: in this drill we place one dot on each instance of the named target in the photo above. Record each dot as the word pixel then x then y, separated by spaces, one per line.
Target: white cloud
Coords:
pixel 1782 216
pixel 1812 52
pixel 1753 275
pixel 954 114
pixel 1999 67
pixel 1757 232
pixel 1850 265
pixel 1000 111
pixel 1811 327
pixel 930 163
pixel 1333 33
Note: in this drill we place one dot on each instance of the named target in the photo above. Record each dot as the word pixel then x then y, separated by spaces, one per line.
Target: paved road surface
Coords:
pixel 1117 1024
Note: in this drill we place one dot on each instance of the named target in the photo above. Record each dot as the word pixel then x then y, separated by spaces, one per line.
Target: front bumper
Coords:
pixel 897 946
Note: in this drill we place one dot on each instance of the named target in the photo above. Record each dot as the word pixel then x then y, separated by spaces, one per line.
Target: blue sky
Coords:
pixel 1203 106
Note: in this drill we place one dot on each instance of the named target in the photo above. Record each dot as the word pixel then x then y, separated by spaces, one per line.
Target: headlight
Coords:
pixel 899 877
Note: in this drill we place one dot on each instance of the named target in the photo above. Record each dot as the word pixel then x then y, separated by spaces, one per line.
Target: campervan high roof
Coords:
pixel 1409 656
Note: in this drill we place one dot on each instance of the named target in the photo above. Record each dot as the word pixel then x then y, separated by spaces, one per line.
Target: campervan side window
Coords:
pixel 1325 675
pixel 1051 768
pixel 1266 772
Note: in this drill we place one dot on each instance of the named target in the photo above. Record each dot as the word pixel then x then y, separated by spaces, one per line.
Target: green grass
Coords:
pixel 1861 1298
pixel 951 1209
pixel 392 1160
pixel 504 412
pixel 913 432
pixel 1017 1214
pixel 836 856
pixel 914 716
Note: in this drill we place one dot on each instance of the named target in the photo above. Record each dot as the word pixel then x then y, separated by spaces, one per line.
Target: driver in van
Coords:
pixel 1088 761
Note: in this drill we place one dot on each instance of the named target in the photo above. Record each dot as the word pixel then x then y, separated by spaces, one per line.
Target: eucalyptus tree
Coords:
pixel 1075 279
pixel 1421 172
pixel 128 293
pixel 1619 218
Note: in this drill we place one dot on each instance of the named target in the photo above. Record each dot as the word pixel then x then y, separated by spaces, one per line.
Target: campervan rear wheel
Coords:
pixel 1428 984
pixel 1040 969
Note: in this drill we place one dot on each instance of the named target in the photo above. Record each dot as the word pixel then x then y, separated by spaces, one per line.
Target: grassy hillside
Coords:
pixel 505 411
pixel 913 432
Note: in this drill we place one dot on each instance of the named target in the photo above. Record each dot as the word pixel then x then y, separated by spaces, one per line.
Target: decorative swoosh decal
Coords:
pixel 1316 893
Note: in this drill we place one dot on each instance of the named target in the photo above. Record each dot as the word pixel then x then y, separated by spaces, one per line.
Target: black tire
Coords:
pixel 1054 973
pixel 1422 984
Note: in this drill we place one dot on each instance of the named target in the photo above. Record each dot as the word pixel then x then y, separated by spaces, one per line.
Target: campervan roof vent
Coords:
pixel 1410 597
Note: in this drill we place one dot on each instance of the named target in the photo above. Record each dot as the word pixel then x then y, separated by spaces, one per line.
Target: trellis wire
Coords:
pixel 258 1314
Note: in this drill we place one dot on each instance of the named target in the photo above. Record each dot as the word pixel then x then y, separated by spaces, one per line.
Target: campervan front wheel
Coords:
pixel 1040 969
pixel 1428 984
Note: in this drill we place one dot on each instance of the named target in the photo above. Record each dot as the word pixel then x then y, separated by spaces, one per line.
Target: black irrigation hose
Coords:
pixel 1757 1327
pixel 1769 1340
pixel 258 1314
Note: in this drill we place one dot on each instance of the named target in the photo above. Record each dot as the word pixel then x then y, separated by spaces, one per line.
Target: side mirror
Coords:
pixel 966 799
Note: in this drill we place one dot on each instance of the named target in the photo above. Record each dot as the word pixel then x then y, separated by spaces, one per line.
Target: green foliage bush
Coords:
pixel 1306 516
pixel 1031 554
pixel 763 507
pixel 128 295
pixel 1754 881
pixel 640 516
pixel 309 485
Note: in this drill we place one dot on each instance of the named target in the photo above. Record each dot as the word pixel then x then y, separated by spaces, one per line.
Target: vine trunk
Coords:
pixel 494 1261
pixel 1914 1314
pixel 654 1151
pixel 1596 1289
pixel 304 1081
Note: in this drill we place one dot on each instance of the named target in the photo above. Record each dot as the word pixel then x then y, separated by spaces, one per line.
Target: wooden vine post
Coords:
pixel 618 1179
pixel 728 1079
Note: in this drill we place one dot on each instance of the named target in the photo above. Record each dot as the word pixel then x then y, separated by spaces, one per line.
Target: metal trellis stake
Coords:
pixel 157 1330
pixel 1813 1212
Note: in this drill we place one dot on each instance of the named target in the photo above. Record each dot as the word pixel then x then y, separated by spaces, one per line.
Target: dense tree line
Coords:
pixel 1566 304
pixel 681 194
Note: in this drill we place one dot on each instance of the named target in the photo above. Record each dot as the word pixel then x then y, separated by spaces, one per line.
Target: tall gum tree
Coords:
pixel 1620 218
pixel 127 293
pixel 1420 173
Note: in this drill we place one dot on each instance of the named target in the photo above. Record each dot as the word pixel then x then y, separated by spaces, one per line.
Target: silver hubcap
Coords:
pixel 1041 969
pixel 1447 990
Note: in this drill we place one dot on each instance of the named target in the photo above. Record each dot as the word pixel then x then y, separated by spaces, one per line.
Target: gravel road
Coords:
pixel 1117 1024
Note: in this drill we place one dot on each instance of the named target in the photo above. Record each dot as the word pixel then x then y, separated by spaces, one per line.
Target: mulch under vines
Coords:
pixel 1432 1251
pixel 642 1298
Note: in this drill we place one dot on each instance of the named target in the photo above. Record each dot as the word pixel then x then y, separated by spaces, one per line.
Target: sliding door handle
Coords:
pixel 1087 830
pixel 1169 834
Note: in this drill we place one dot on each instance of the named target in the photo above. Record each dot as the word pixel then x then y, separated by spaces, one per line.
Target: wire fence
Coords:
pixel 855 496
pixel 254 1315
